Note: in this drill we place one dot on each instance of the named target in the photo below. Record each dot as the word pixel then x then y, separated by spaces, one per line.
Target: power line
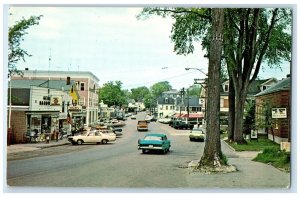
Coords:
pixel 156 81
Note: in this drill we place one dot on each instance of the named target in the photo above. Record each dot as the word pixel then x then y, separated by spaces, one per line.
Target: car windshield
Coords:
pixel 153 138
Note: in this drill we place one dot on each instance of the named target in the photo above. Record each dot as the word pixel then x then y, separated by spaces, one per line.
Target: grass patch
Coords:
pixel 275 157
pixel 253 145
pixel 271 153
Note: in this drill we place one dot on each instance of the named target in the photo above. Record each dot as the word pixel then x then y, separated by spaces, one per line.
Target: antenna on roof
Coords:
pixel 49 64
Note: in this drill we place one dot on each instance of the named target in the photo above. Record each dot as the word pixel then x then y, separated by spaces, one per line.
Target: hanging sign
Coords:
pixel 279 113
pixel 55 100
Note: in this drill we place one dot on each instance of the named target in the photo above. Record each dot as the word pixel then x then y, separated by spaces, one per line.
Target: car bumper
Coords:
pixel 197 137
pixel 150 148
pixel 142 129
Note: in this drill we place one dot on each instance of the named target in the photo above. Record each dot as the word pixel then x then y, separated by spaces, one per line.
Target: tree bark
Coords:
pixel 240 99
pixel 231 113
pixel 212 151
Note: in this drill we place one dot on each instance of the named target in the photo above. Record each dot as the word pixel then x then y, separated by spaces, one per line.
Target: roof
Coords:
pixel 193 101
pixel 156 134
pixel 53 84
pixel 253 89
pixel 173 91
pixel 282 85
pixel 37 73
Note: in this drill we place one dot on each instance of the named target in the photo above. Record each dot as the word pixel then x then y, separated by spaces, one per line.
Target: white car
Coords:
pixel 164 120
pixel 94 136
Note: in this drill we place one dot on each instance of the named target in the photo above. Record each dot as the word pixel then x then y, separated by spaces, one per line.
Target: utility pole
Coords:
pixel 204 86
pixel 188 105
pixel 181 104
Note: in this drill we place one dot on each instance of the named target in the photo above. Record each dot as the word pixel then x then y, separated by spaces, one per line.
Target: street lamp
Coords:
pixel 200 70
pixel 205 87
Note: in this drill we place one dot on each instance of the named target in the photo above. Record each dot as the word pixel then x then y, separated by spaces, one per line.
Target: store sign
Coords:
pixel 75 108
pixel 55 100
pixel 279 113
pixel 62 116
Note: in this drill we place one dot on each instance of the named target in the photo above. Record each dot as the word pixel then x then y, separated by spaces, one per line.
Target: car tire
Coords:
pixel 143 151
pixel 79 142
pixel 104 141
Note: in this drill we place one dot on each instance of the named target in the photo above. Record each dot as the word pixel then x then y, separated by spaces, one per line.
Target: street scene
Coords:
pixel 149 98
pixel 120 164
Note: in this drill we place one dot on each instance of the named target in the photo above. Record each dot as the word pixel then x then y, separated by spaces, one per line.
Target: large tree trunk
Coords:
pixel 212 151
pixel 231 113
pixel 240 99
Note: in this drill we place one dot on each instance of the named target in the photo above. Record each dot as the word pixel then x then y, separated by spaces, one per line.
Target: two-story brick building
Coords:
pixel 274 102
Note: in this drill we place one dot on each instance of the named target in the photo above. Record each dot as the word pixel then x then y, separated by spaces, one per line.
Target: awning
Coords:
pixel 177 115
pixel 192 115
pixel 78 114
pixel 50 113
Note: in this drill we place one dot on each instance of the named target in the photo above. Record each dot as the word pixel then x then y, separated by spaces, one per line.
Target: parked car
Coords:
pixel 93 136
pixel 154 141
pixel 133 117
pixel 142 125
pixel 148 118
pixel 164 120
pixel 112 129
pixel 182 125
pixel 197 134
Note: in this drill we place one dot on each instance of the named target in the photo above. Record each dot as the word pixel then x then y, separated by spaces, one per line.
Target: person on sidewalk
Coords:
pixel 56 135
pixel 47 138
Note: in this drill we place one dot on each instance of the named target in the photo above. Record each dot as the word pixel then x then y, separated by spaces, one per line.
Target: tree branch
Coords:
pixel 183 11
pixel 265 46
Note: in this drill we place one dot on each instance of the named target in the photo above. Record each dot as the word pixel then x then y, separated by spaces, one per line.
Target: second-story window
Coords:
pixel 226 88
pixel 82 86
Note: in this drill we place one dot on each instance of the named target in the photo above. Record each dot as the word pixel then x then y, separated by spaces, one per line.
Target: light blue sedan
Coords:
pixel 154 141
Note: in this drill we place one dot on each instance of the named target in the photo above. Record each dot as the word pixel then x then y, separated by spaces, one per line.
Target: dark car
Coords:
pixel 182 125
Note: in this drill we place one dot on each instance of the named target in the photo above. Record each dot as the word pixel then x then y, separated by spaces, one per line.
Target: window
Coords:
pixel 82 86
pixel 222 103
pixel 167 107
pixel 81 101
pixel 226 88
pixel 265 87
pixel 166 100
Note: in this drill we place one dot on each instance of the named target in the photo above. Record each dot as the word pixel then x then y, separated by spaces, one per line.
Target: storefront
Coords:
pixel 42 122
pixel 78 118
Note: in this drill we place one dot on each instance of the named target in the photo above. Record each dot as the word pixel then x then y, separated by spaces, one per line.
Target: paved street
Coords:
pixel 120 165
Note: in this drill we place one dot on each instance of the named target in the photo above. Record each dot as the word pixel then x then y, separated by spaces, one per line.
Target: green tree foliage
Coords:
pixel 138 94
pixel 195 90
pixel 112 94
pixel 15 36
pixel 158 88
pixel 249 114
pixel 251 36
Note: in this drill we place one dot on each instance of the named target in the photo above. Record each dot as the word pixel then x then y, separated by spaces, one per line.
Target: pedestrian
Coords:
pixel 56 135
pixel 47 138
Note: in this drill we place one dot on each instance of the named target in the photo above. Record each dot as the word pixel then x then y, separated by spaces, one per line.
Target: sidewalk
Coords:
pixel 15 148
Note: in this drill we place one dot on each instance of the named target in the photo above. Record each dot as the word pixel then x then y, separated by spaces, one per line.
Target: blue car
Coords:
pixel 154 141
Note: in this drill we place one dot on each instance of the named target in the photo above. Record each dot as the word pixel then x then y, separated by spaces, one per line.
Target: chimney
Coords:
pixel 68 80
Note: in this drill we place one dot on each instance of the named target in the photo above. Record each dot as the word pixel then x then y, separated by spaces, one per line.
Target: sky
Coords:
pixel 113 44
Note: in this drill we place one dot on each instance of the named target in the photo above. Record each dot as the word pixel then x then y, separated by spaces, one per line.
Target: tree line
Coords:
pixel 112 94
